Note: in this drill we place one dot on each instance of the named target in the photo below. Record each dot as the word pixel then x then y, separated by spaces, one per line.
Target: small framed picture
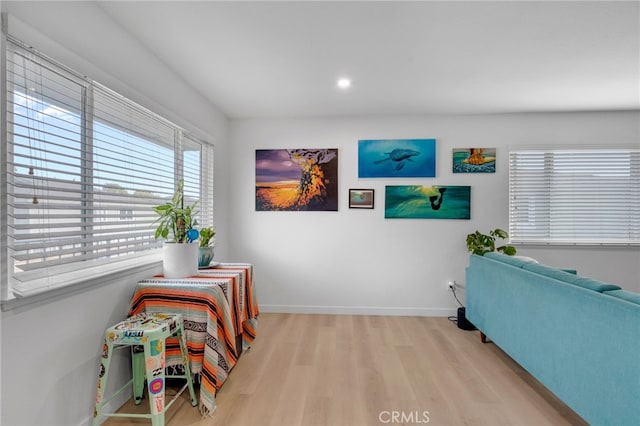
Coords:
pixel 361 198
pixel 474 160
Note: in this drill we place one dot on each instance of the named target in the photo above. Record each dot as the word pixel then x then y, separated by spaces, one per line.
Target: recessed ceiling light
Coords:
pixel 344 83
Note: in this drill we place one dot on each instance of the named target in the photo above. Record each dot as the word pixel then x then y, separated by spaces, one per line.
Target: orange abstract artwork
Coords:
pixel 297 179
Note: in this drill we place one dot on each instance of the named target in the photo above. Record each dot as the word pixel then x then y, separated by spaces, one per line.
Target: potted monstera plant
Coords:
pixel 176 226
pixel 479 243
pixel 205 251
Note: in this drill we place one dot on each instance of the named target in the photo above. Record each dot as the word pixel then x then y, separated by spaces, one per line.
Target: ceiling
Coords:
pixel 282 59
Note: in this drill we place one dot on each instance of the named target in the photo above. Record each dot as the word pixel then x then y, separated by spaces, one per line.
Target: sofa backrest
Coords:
pixel 516 261
pixel 551 272
pixel 629 296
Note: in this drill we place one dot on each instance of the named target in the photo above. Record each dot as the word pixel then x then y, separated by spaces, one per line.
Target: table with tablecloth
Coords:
pixel 216 307
pixel 245 303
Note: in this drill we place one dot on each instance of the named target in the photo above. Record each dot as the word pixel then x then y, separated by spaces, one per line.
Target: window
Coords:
pixel 575 196
pixel 84 166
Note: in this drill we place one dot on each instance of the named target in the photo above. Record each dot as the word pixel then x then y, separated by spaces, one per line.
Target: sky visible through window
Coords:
pixel 85 168
pixel 47 140
pixel 127 173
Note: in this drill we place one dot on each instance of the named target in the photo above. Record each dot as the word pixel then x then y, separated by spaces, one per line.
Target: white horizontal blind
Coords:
pixel 575 196
pixel 198 178
pixel 85 166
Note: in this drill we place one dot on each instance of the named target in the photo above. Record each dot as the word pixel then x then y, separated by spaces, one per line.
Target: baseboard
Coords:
pixel 358 310
pixel 114 405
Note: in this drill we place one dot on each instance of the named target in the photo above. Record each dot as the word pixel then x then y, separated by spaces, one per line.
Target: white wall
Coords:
pixel 355 261
pixel 51 352
pixel 50 349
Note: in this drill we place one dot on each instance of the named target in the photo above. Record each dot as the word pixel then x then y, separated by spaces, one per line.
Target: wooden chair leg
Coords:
pixel 483 338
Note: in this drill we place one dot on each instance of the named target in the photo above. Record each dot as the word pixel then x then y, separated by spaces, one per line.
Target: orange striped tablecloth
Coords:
pixel 244 302
pixel 208 324
pixel 217 305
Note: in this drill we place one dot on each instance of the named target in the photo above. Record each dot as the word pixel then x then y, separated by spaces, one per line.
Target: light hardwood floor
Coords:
pixel 363 370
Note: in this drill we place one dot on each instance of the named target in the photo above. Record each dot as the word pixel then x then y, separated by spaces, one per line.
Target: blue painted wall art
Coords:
pixel 427 202
pixel 474 160
pixel 397 158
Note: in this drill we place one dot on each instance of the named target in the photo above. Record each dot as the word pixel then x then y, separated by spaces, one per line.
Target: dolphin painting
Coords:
pixel 400 156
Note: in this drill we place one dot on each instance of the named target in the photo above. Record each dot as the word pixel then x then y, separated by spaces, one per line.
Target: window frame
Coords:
pixel 558 216
pixel 121 264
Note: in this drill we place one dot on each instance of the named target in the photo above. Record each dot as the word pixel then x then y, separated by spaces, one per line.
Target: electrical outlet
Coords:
pixel 451 285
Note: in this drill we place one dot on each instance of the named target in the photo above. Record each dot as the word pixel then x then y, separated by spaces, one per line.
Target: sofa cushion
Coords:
pixel 516 261
pixel 595 285
pixel 626 295
pixel 570 278
pixel 525 258
pixel 549 271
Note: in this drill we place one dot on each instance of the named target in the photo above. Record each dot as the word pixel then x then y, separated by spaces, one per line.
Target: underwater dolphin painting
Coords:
pixel 397 158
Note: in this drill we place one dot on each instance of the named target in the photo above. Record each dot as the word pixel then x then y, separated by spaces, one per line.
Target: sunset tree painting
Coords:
pixel 297 179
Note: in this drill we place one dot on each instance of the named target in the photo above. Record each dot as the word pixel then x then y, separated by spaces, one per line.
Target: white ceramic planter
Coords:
pixel 179 260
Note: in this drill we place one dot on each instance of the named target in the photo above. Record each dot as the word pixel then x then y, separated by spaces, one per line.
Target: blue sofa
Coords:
pixel 578 336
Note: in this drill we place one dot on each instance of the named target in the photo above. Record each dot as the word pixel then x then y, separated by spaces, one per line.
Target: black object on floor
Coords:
pixel 463 322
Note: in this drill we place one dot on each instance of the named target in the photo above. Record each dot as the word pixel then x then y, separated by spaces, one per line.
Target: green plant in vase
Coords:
pixel 479 243
pixel 205 251
pixel 176 222
pixel 206 237
pixel 176 225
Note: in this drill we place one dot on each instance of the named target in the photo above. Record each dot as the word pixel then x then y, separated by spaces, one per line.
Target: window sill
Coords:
pixel 19 302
